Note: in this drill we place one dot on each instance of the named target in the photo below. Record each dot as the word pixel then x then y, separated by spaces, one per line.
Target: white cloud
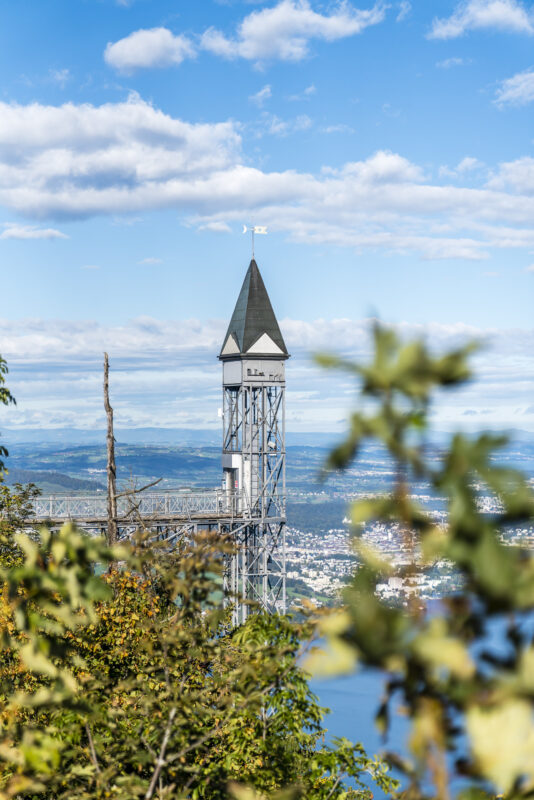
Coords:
pixel 62 341
pixel 530 268
pixel 125 158
pixel 516 176
pixel 501 15
pixel 60 76
pixel 467 164
pixel 150 260
pixel 83 159
pixel 404 9
pixel 167 370
pixel 273 125
pixel 13 231
pixel 306 93
pixel 454 61
pixel 517 90
pixel 215 227
pixel 260 97
pixel 284 31
pixel 154 47
pixel 339 128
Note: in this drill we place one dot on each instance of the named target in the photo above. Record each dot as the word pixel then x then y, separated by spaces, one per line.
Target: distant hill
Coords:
pixel 162 436
pixel 52 482
pixel 69 467
pixel 193 437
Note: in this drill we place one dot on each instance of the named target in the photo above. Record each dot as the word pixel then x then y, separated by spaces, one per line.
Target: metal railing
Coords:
pixel 163 505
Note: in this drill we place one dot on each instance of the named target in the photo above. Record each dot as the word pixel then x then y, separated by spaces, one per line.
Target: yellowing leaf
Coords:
pixel 334 623
pixel 336 658
pixel 502 741
pixel 59 549
pixel 442 651
pixel 37 661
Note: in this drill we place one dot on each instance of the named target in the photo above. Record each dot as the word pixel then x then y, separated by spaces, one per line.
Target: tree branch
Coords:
pixel 92 750
pixel 130 492
pixel 111 466
pixel 161 758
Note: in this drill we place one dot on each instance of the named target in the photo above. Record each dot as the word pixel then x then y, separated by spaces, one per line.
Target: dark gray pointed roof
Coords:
pixel 252 318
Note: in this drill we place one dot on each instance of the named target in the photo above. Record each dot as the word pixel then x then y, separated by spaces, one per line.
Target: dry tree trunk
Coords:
pixel 111 468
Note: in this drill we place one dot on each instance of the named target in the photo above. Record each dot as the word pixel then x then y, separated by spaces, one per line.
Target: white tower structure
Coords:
pixel 253 460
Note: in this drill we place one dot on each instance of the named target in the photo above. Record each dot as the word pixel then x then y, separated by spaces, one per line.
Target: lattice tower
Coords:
pixel 254 452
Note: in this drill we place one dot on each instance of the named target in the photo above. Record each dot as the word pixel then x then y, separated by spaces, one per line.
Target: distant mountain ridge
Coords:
pixel 52 481
pixel 164 436
pixel 73 467
pixel 185 436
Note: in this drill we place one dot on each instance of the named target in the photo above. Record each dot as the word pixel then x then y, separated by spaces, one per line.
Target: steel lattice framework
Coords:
pixel 250 507
pixel 254 466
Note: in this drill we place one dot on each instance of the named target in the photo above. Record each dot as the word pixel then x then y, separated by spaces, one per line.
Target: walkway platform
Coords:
pixel 154 508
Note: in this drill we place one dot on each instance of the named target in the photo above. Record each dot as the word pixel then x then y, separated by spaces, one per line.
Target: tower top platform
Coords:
pixel 253 330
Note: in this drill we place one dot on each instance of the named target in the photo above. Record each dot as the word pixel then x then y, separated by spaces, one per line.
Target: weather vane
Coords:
pixel 254 229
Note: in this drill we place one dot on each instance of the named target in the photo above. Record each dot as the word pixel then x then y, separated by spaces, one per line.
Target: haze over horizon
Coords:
pixel 387 147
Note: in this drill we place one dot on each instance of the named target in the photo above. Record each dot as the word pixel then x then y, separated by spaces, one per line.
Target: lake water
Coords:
pixel 353 702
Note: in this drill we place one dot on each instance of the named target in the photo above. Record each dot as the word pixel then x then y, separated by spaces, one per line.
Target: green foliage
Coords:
pixel 133 684
pixel 5 398
pixel 48 590
pixel 453 680
pixel 15 508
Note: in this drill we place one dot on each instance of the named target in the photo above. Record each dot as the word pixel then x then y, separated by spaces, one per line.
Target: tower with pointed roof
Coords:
pixel 253 356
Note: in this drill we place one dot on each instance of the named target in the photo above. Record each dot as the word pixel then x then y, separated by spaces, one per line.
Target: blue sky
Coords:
pixel 387 147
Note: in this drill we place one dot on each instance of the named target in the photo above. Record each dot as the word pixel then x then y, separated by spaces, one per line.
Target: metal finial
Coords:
pixel 254 229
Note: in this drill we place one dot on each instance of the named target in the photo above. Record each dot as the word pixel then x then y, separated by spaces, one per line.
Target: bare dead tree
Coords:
pixel 111 467
pixel 132 513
